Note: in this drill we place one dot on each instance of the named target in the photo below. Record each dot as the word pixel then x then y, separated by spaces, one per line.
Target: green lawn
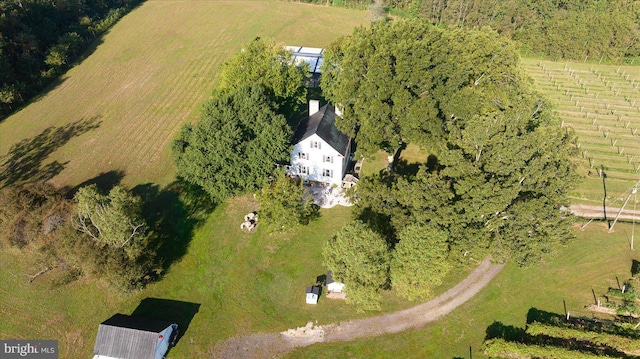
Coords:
pixel 116 113
pixel 592 261
pixel 242 283
pixel 146 78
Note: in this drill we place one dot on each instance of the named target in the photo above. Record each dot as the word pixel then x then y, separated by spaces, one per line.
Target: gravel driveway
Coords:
pixel 261 345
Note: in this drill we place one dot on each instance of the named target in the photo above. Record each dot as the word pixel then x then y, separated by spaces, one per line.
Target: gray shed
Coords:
pixel 127 337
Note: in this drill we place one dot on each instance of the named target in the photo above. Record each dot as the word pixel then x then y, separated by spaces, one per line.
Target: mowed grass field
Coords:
pixel 592 261
pixel 116 113
pixel 146 78
pixel 119 109
pixel 601 103
pixel 239 283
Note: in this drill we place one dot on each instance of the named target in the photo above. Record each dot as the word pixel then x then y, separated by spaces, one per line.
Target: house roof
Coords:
pixel 314 290
pixel 126 337
pixel 329 277
pixel 323 124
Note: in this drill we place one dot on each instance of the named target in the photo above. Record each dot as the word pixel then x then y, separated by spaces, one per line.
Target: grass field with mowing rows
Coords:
pixel 601 103
pixel 119 109
pixel 114 115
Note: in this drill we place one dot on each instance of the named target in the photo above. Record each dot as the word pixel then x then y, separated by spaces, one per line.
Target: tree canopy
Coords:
pixel 111 220
pixel 501 168
pixel 283 204
pixel 267 63
pixel 359 257
pixel 419 261
pixel 235 145
pixel 375 76
pixel 395 79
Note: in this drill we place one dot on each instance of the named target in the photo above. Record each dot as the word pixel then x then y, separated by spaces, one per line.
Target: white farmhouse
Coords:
pixel 321 153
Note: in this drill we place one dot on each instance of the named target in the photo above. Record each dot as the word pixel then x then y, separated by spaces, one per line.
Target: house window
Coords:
pixel 303 156
pixel 315 144
pixel 303 170
pixel 327 172
pixel 328 159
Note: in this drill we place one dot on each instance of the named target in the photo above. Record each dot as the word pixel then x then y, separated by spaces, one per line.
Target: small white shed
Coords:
pixel 332 285
pixel 313 294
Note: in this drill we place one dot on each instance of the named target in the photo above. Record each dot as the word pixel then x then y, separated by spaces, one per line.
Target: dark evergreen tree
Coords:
pixel 235 145
pixel 503 169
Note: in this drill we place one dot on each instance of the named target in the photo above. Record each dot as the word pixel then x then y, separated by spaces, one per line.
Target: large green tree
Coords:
pixel 378 76
pixel 419 261
pixel 285 204
pixel 111 220
pixel 396 79
pixel 235 145
pixel 267 63
pixel 501 165
pixel 359 257
pixel 502 168
pixel 388 202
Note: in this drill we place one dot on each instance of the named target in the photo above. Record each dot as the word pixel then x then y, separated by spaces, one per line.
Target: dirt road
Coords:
pixel 597 212
pixel 269 345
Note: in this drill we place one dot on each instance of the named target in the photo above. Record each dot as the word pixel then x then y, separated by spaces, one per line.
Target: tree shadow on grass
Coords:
pixel 402 167
pixel 635 268
pixel 506 332
pixel 543 317
pixel 105 182
pixel 168 310
pixel 172 214
pixel 24 161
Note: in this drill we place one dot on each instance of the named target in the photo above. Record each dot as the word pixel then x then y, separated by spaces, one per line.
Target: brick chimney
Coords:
pixel 314 106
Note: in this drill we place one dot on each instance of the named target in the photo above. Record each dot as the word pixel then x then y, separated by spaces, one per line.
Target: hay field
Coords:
pixel 118 110
pixel 116 113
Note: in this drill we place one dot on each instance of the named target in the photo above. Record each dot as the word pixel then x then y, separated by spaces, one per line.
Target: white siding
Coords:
pixel 312 298
pixel 322 163
pixel 335 287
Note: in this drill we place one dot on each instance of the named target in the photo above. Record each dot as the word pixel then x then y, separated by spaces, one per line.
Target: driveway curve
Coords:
pixel 262 345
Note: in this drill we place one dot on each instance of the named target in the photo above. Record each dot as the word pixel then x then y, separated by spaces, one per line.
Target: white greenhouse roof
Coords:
pixel 310 55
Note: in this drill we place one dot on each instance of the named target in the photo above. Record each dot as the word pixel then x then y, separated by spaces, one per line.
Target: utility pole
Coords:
pixel 633 191
pixel 635 200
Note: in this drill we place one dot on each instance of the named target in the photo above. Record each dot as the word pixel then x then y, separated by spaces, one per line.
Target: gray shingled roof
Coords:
pixel 314 289
pixel 126 337
pixel 329 277
pixel 322 123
